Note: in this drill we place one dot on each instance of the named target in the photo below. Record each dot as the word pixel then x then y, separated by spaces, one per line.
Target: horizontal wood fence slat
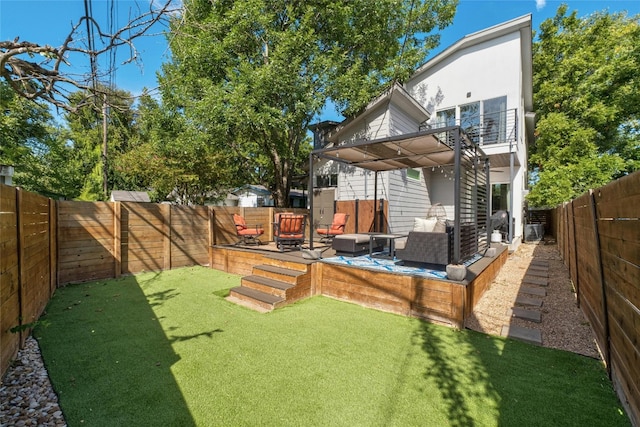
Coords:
pixel 598 237
pixel 28 267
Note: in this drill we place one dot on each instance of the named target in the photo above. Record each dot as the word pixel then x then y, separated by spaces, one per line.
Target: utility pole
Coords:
pixel 105 188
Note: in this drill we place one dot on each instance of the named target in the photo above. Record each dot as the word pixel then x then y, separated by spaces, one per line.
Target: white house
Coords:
pixel 482 83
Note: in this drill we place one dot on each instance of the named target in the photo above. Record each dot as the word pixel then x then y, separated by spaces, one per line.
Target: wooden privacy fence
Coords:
pixel 45 244
pixel 598 237
pixel 27 265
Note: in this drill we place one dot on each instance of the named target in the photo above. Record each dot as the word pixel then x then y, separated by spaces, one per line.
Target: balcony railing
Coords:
pixel 500 127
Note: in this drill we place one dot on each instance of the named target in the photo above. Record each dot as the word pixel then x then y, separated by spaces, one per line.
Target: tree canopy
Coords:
pixel 586 78
pixel 249 76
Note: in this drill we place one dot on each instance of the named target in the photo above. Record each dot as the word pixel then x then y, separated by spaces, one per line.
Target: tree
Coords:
pixel 169 157
pixel 250 75
pixel 86 133
pixel 587 96
pixel 50 77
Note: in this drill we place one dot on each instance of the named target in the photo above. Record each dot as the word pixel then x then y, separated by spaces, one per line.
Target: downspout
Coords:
pixel 511 179
pixel 375 201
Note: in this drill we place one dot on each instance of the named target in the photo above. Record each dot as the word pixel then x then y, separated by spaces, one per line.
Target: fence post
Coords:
pixel 20 242
pixel 53 247
pixel 605 307
pixel 575 253
pixel 117 239
pixel 166 231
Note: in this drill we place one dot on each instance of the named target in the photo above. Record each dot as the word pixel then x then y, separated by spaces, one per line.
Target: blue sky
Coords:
pixel 49 22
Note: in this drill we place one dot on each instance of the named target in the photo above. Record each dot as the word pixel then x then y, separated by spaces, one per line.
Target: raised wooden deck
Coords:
pixel 437 300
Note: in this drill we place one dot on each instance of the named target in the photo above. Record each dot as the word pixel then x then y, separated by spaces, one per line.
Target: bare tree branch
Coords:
pixel 47 80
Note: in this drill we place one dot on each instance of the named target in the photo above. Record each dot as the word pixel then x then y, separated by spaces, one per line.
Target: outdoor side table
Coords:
pixel 391 238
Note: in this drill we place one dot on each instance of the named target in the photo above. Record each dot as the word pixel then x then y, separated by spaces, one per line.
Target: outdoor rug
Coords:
pixel 387 265
pixel 391 265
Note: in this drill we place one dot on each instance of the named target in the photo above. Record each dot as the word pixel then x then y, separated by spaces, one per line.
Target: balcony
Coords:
pixel 500 127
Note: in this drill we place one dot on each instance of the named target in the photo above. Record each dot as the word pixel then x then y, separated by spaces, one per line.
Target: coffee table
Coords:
pixel 390 238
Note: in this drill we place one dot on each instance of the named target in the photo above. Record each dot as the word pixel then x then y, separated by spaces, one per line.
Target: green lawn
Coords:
pixel 166 349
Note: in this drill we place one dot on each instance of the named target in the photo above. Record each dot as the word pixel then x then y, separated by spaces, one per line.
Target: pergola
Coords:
pixel 446 146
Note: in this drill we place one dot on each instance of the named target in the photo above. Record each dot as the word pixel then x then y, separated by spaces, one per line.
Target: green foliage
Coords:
pixel 249 76
pixel 173 159
pixel 22 124
pixel 587 96
pixel 86 139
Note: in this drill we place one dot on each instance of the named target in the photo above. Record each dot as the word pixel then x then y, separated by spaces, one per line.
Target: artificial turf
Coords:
pixel 168 349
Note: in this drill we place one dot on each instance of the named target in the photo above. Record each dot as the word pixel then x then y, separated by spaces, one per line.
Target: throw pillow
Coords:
pixel 420 224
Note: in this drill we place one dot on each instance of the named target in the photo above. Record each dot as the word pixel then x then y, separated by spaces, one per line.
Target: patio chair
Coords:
pixel 336 227
pixel 247 235
pixel 289 231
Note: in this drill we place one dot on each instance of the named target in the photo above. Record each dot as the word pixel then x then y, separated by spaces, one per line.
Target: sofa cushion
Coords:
pixel 421 224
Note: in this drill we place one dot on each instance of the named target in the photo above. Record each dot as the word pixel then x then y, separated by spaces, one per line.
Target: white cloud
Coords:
pixel 540 4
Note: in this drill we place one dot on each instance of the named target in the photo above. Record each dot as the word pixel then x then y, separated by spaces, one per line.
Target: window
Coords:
pixel 470 120
pixel 500 197
pixel 446 118
pixel 484 121
pixel 495 120
pixel 413 173
pixel 327 180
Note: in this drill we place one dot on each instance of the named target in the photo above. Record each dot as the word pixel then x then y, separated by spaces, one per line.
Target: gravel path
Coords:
pixel 27 399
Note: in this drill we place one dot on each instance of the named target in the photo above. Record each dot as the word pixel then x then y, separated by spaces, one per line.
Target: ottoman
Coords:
pixel 354 244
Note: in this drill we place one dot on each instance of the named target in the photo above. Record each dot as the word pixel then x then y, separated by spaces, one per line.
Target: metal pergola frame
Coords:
pixel 445 146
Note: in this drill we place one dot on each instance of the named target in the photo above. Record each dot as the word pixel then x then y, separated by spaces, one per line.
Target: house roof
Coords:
pixel 396 94
pixel 521 24
pixel 416 150
pixel 129 196
pixel 257 189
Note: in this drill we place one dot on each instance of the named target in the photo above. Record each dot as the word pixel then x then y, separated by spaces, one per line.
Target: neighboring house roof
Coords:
pixel 260 190
pixel 129 196
pixel 522 24
pixel 396 94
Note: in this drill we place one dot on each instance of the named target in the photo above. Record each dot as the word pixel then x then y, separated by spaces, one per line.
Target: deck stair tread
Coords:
pixel 541 292
pixel 279 270
pixel 277 284
pixel 533 302
pixel 532 280
pixel 522 313
pixel 257 295
pixel 530 335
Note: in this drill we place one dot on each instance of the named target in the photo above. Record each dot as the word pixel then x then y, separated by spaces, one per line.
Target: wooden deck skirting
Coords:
pixel 436 300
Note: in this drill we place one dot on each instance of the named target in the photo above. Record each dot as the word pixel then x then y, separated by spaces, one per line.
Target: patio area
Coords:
pixel 273 279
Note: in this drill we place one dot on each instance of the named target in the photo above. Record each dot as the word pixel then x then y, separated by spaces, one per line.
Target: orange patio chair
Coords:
pixel 289 231
pixel 336 227
pixel 247 235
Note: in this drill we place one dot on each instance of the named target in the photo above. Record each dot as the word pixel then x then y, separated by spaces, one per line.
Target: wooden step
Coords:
pixel 532 336
pixel 286 275
pixel 292 261
pixel 267 285
pixel 252 297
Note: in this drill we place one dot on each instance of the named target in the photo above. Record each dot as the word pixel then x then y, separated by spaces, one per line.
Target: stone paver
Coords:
pixel 532 336
pixel 532 302
pixel 539 292
pixel 522 313
pixel 532 280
